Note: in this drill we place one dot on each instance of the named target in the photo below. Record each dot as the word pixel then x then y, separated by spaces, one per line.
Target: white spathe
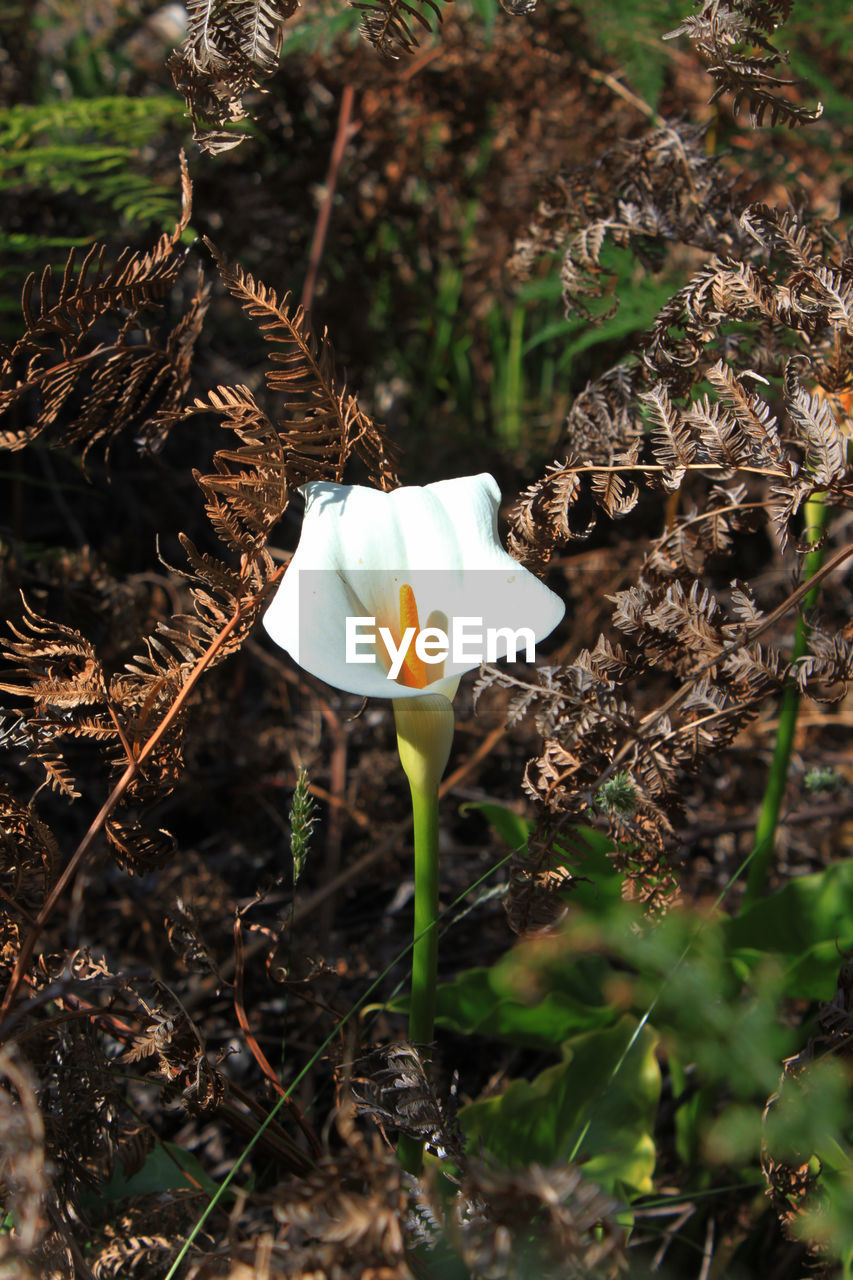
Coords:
pixel 359 546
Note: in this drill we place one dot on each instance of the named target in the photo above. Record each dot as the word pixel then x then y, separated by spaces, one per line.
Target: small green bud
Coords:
pixel 618 795
pixel 821 778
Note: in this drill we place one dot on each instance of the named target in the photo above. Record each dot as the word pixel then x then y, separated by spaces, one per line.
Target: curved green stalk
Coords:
pixel 425 950
pixel 817 514
pixel 424 736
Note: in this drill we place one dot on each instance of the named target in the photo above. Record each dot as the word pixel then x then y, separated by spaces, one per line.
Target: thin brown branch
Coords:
pixel 252 1044
pixel 798 818
pixel 345 131
pixel 491 740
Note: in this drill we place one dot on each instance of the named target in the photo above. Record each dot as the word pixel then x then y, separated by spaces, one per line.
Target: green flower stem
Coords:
pixel 425 951
pixel 816 514
pixel 424 737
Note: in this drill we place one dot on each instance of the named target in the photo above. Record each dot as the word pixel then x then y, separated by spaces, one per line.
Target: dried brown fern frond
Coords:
pixel 80 1103
pixel 550 511
pixel 248 492
pixel 606 418
pixel 536 1221
pixel 398 1092
pixel 153 689
pixel 24 1178
pixel 352 1208
pixel 741 405
pixel 731 37
pixel 641 194
pixel 793 276
pixel 388 25
pixel 245 497
pixel 170 1048
pixel 795 294
pixel 128 1249
pixel 141 721
pixel 601 761
pixel 59 672
pixel 825 673
pixel 138 1241
pixel 89 365
pixel 137 717
pixel 324 425
pixel 29 866
pixel 230 47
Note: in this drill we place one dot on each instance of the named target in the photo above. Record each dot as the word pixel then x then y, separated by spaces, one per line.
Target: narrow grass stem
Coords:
pixel 817 514
pixel 425 949
pixel 301 1074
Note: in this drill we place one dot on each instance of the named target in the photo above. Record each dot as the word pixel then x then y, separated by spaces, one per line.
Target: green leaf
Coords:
pixel 510 826
pixel 583 850
pixel 167 1168
pixel 511 1002
pixel 94 148
pixel 588 854
pixel 597 1107
pixel 807 924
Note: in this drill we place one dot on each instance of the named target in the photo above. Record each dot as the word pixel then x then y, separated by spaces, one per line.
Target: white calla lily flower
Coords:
pixel 379 578
pixel 413 577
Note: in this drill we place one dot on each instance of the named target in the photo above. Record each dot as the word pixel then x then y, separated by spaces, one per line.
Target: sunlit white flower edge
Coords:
pixel 359 545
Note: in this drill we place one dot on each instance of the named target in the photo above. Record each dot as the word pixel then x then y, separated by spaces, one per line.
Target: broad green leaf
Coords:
pixel 167 1168
pixel 509 1002
pixel 585 851
pixel 597 1107
pixel 510 826
pixel 808 923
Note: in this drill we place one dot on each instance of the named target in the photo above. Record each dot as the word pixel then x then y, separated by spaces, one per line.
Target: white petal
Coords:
pixel 471 504
pixel 358 546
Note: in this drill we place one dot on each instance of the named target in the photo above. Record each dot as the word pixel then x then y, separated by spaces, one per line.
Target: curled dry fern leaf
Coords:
pixel 718 407
pixel 91 346
pixel 248 492
pixel 388 25
pixel 230 47
pixel 641 193
pixel 323 426
pixel 731 36
pixel 59 672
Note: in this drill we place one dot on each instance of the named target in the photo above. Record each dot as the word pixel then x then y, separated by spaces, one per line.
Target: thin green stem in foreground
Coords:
pixel 817 514
pixel 425 949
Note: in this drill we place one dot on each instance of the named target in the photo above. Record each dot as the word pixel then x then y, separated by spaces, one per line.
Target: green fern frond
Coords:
pixel 90 147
